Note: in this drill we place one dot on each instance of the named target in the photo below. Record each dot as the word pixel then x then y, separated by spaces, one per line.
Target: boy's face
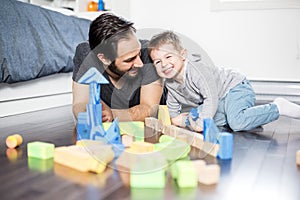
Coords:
pixel 128 60
pixel 167 61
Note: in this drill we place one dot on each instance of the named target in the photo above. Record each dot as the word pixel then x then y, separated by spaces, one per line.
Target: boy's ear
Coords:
pixel 103 59
pixel 184 54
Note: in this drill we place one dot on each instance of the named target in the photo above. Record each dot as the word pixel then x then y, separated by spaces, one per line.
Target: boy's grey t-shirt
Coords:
pixel 129 95
pixel 203 84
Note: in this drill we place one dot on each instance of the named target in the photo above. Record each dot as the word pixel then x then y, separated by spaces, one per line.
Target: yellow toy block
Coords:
pixel 87 143
pixel 163 115
pixel 84 158
pixel 142 147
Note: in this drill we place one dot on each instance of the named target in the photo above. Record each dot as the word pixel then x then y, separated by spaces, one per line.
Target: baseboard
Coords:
pixel 267 91
pixel 38 94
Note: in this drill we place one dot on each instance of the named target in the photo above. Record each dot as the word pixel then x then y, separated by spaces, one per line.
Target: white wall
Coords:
pixel 264 44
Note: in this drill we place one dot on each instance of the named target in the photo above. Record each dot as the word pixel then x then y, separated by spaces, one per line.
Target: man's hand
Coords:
pixel 107 115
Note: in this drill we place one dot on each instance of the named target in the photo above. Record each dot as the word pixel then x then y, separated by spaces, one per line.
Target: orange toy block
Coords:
pixel 298 157
pixel 14 141
pixel 209 174
pixel 84 159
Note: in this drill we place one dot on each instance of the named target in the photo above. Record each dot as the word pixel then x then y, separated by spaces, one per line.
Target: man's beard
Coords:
pixel 113 68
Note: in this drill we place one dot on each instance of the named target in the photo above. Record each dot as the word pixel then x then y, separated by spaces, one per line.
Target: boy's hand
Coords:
pixel 180 120
pixel 196 125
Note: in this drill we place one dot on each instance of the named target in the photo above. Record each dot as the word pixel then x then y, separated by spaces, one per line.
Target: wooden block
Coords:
pixel 298 157
pixel 163 115
pixel 193 138
pixel 210 174
pixel 41 150
pixel 127 140
pixel 199 165
pixel 142 147
pixel 14 141
pixel 153 123
pixel 84 159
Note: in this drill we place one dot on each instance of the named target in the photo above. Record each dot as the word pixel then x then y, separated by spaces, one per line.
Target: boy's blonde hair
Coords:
pixel 166 37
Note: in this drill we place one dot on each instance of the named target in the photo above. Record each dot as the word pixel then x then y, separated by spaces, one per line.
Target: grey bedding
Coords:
pixel 36 42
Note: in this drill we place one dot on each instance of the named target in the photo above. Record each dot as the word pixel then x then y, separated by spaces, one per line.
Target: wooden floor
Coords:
pixel 263 165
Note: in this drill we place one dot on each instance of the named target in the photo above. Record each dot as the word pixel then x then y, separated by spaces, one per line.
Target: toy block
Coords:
pixel 194 139
pixel 40 165
pixel 194 114
pixel 41 150
pixel 185 173
pixel 142 147
pixel 175 150
pixel 182 137
pixel 165 138
pixel 154 123
pixel 113 135
pixel 84 160
pixel 210 131
pixel 210 174
pixel 134 128
pixel 155 179
pixel 298 157
pixel 127 140
pixel 118 149
pixel 14 141
pixel 226 145
pixel 87 143
pixel 148 172
pixel 83 178
pixel 163 115
pixel 199 166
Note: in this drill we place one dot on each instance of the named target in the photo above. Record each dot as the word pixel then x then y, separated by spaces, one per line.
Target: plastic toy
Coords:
pixel 41 150
pixel 14 141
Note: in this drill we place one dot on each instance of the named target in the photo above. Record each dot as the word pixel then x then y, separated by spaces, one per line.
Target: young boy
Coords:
pixel 219 93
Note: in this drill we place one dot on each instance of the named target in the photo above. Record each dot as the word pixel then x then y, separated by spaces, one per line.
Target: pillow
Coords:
pixel 36 42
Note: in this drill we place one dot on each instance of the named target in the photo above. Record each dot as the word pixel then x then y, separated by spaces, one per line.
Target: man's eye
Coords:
pixel 157 62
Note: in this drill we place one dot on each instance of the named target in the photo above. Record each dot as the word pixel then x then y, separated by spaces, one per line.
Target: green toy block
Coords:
pixel 148 179
pixel 41 150
pixel 186 174
pixel 40 165
pixel 173 167
pixel 174 150
pixel 165 138
pixel 134 128
pixel 148 171
pixel 161 145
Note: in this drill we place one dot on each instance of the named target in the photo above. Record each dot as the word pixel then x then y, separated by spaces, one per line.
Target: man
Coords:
pixel 134 88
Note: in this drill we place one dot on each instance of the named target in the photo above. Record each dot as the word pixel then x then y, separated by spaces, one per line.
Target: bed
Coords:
pixel 37 46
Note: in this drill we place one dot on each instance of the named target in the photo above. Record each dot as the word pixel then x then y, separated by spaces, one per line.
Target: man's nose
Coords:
pixel 138 62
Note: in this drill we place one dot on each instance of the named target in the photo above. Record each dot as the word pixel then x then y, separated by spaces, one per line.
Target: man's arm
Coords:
pixel 149 101
pixel 80 98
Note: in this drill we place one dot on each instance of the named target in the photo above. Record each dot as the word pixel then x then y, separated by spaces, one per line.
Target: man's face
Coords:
pixel 128 60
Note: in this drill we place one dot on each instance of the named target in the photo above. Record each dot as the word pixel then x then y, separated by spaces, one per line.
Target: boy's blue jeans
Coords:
pixel 237 109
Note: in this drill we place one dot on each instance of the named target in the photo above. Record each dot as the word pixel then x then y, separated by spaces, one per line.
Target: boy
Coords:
pixel 219 93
